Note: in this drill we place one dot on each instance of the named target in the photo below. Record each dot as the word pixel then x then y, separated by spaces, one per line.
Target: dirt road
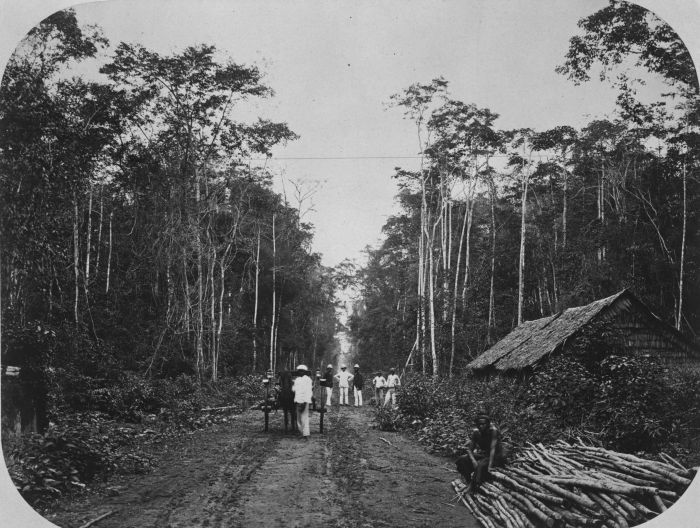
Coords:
pixel 236 475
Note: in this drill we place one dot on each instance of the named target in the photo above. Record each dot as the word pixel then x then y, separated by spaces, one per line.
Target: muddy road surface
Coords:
pixel 236 475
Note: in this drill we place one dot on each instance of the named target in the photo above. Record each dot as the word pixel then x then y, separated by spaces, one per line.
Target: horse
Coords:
pixel 285 399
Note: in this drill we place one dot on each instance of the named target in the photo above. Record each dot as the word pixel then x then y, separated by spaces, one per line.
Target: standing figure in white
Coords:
pixel 303 393
pixel 344 378
pixel 392 383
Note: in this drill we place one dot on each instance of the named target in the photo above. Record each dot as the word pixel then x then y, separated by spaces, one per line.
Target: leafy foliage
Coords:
pixel 626 403
pixel 113 427
pixel 600 211
pixel 71 454
pixel 623 29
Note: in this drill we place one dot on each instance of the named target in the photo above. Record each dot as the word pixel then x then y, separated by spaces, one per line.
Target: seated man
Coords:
pixel 485 451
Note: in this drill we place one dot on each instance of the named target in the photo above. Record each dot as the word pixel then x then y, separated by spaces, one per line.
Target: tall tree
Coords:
pixel 185 119
pixel 417 100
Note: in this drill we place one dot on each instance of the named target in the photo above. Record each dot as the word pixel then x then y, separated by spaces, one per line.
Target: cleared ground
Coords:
pixel 236 475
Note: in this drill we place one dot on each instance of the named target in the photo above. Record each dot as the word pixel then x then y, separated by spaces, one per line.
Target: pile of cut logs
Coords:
pixel 575 485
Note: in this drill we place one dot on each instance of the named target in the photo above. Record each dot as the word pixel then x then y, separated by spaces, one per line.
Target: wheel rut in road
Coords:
pixel 235 475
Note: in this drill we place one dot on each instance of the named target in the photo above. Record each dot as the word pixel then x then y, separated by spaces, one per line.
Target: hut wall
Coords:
pixel 643 337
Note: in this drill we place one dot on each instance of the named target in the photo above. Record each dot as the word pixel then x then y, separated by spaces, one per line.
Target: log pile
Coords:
pixel 575 485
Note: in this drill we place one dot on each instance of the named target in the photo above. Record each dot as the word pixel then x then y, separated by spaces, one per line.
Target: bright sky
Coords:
pixel 334 66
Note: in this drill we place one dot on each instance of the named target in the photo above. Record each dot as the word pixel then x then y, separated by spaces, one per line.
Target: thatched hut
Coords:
pixel 642 333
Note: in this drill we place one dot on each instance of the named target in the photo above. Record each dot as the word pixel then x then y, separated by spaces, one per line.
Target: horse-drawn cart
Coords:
pixel 281 397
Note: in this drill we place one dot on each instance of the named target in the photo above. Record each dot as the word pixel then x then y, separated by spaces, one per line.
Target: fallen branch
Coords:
pixel 387 441
pixel 209 409
pixel 673 461
pixel 90 523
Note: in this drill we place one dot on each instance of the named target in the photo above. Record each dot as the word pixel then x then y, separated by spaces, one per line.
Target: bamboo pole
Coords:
pixel 515 485
pixel 614 515
pixel 605 486
pixel 552 486
pixel 577 485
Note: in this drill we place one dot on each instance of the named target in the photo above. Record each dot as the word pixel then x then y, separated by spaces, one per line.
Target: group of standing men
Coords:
pixel 384 388
pixel 344 380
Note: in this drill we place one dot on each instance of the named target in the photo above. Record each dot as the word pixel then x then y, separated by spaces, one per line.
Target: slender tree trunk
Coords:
pixel 454 293
pixel 76 258
pixel 220 327
pixel 51 302
pixel 88 241
pixel 679 316
pixel 187 308
pixel 445 262
pixel 109 252
pixel 274 294
pixel 449 235
pixel 315 342
pixel 467 252
pixel 431 301
pixel 212 314
pixel 99 233
pixel 421 277
pixel 277 326
pixel 492 316
pixel 169 288
pixel 564 213
pixel 403 323
pixel 554 288
pixel 601 215
pixel 255 309
pixel 199 331
pixel 603 248
pixel 521 264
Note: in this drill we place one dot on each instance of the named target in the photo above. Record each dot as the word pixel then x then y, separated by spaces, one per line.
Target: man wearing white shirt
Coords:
pixel 392 382
pixel 303 392
pixel 344 379
pixel 379 383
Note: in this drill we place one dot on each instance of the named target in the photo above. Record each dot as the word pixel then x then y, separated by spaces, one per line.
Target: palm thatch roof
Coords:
pixel 534 340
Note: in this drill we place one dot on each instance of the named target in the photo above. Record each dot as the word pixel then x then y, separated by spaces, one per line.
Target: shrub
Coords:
pixel 87 439
pixel 624 398
pixel 390 419
pixel 564 388
pixel 69 455
pixel 623 402
pixel 420 396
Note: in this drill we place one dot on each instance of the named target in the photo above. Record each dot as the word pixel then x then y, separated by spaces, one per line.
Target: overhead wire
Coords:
pixel 283 158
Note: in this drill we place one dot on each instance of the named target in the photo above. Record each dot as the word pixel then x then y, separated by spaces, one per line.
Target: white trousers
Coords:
pixel 379 396
pixel 303 418
pixel 357 395
pixel 343 395
pixel 390 396
pixel 329 393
